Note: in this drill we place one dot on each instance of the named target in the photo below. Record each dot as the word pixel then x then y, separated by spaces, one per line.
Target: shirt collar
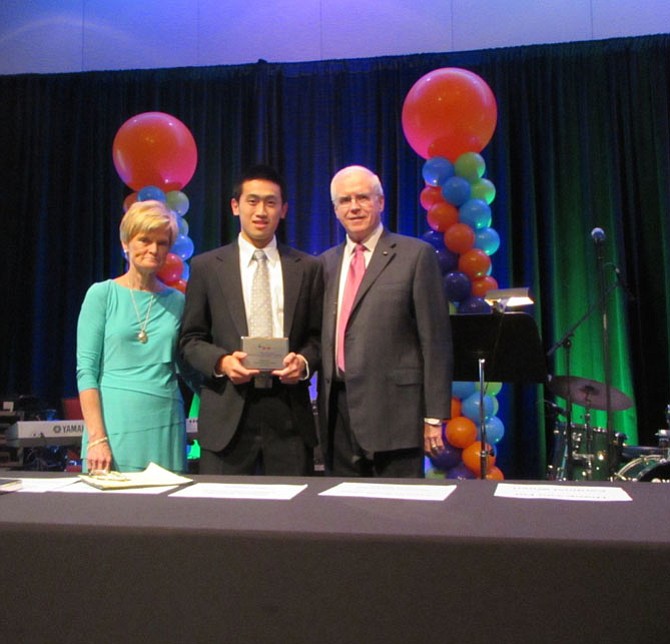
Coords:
pixel 247 251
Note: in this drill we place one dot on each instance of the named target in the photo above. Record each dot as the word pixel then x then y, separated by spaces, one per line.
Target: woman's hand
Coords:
pixel 99 457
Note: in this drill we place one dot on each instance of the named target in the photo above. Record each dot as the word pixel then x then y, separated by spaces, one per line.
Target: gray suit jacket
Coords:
pixel 398 345
pixel 214 322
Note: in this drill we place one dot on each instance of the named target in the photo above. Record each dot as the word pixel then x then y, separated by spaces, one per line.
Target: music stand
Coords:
pixel 500 347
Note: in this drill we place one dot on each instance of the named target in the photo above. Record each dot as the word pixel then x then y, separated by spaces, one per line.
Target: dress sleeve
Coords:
pixel 91 337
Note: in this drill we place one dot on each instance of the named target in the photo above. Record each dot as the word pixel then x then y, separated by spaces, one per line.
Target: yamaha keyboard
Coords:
pixel 40 433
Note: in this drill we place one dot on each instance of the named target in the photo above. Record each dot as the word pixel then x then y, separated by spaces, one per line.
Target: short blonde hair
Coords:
pixel 147 216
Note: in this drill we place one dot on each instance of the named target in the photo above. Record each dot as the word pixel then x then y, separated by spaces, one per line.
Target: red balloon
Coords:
pixel 431 195
pixel 475 263
pixel 442 215
pixel 180 285
pixel 460 432
pixel 154 149
pixel 471 456
pixel 129 201
pixel 172 270
pixel 459 238
pixel 482 285
pixel 448 112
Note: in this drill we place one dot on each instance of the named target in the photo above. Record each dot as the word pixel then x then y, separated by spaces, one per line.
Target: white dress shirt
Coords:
pixel 247 270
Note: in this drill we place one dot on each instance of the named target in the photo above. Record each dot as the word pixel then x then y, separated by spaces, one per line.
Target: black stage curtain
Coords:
pixel 582 141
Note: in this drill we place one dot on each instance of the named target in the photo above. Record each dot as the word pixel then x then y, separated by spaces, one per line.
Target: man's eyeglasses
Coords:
pixel 347 201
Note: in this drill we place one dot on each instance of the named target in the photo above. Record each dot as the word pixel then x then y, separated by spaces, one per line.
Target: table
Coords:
pixel 473 568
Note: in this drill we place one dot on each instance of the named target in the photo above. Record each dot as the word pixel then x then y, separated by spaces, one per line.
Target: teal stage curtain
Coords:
pixel 582 141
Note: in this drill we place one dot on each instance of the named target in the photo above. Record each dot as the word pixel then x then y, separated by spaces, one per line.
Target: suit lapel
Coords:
pixel 230 280
pixel 292 277
pixel 384 253
pixel 332 268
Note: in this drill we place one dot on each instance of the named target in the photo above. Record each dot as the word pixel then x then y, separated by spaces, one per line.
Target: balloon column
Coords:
pixel 155 155
pixel 448 117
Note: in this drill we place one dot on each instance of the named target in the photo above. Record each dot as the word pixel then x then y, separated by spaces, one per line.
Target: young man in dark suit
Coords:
pixel 385 382
pixel 251 423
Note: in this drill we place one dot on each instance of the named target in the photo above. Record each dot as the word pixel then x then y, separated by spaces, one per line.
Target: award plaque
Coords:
pixel 266 354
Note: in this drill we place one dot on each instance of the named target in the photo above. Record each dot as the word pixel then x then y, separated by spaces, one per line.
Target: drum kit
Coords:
pixel 584 452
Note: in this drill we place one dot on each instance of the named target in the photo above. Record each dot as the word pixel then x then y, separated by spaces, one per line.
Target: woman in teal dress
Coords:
pixel 126 354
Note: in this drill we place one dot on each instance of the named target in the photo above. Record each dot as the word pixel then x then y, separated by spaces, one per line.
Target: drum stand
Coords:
pixel 588 456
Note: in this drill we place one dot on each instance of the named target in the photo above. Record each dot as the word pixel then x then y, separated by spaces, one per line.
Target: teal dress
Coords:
pixel 142 407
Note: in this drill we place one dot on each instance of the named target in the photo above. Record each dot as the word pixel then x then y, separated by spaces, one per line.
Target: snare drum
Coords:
pixel 589 462
pixel 653 468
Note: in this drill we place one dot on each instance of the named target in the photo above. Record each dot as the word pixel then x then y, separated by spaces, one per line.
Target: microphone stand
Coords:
pixel 566 343
pixel 606 355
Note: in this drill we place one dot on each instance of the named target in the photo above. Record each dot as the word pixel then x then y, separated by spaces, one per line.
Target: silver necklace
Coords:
pixel 142 334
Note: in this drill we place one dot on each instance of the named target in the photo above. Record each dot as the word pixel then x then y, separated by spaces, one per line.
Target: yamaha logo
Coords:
pixel 68 429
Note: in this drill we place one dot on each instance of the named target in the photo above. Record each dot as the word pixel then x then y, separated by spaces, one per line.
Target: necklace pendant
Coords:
pixel 142 336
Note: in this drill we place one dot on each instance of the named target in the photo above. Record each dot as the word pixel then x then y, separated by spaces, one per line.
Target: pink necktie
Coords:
pixel 354 278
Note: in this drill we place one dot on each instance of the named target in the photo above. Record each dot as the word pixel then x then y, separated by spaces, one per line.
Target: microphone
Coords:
pixel 554 408
pixel 598 235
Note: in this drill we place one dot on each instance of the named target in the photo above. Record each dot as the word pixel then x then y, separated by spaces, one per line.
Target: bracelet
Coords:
pixel 104 439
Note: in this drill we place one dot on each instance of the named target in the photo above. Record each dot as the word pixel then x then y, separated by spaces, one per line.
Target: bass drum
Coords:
pixel 651 468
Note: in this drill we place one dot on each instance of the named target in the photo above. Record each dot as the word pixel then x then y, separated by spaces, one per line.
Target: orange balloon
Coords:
pixel 442 215
pixel 455 407
pixel 475 263
pixel 460 432
pixel 494 473
pixel 154 149
pixel 482 285
pixel 448 112
pixel 431 195
pixel 471 456
pixel 459 238
pixel 172 270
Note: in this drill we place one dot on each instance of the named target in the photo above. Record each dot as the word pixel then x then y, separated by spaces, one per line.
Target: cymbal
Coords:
pixel 588 393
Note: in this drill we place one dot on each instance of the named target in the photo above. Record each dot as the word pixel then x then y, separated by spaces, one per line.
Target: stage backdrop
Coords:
pixel 582 141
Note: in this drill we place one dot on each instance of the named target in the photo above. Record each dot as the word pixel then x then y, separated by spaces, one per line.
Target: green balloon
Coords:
pixel 470 166
pixel 483 189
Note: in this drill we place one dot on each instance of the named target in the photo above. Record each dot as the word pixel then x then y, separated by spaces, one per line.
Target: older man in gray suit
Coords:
pixel 385 384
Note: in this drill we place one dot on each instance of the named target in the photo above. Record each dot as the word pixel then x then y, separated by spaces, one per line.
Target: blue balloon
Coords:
pixel 186 273
pixel 495 430
pixel 456 191
pixel 476 213
pixel 460 472
pixel 488 240
pixel 470 407
pixel 437 170
pixel 473 306
pixel 461 389
pixel 434 238
pixel 183 247
pixel 447 458
pixel 151 192
pixel 457 286
pixel 448 260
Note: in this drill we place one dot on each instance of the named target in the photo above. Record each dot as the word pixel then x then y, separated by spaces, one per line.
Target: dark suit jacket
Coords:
pixel 398 345
pixel 214 321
